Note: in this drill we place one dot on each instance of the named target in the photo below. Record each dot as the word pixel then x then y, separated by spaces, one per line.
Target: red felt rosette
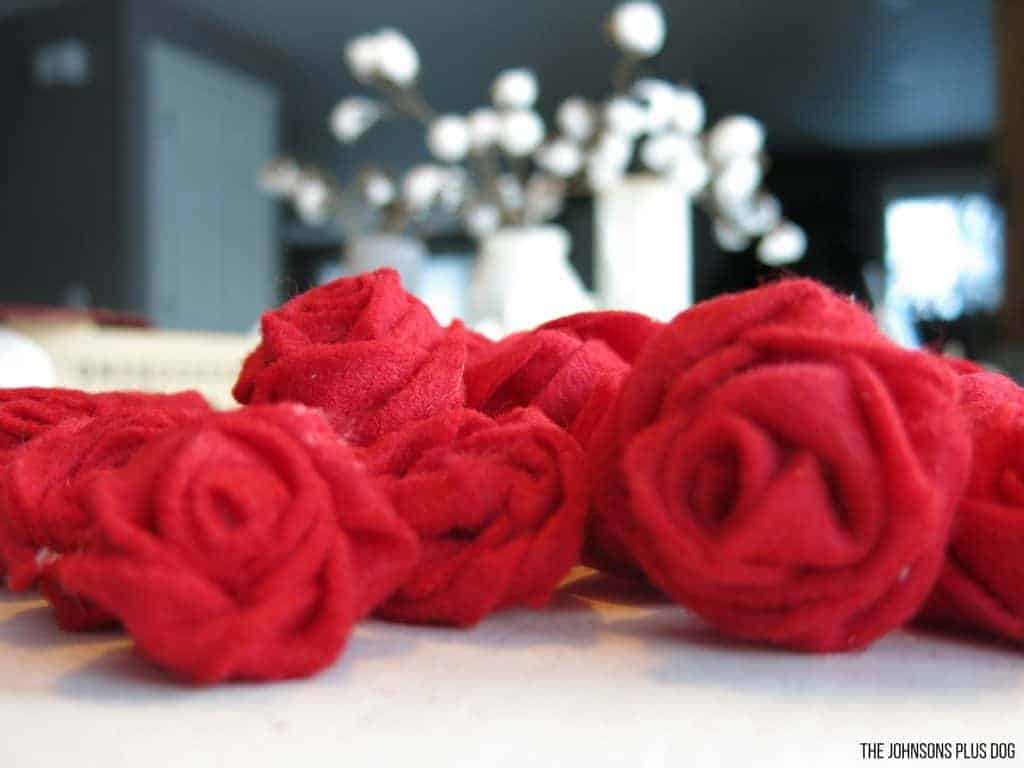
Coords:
pixel 625 332
pixel 777 466
pixel 361 349
pixel 41 516
pixel 572 380
pixel 28 413
pixel 498 505
pixel 982 584
pixel 243 546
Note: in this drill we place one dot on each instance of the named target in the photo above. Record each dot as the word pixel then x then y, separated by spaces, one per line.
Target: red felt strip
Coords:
pixel 777 466
pixel 498 504
pixel 982 584
pixel 243 546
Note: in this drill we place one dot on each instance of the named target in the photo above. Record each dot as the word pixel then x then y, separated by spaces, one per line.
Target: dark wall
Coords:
pixel 142 22
pixel 74 158
pixel 59 151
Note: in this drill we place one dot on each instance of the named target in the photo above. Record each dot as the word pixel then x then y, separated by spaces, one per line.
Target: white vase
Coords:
pixel 374 250
pixel 643 247
pixel 523 278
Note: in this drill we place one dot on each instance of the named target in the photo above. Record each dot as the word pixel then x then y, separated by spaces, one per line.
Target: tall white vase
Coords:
pixel 373 250
pixel 644 247
pixel 523 278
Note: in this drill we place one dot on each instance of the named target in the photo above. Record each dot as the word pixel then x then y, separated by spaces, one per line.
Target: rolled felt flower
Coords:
pixel 498 504
pixel 40 512
pixel 982 584
pixel 243 546
pixel 572 380
pixel 777 466
pixel 369 388
pixel 364 351
pixel 27 413
pixel 625 332
pixel 365 307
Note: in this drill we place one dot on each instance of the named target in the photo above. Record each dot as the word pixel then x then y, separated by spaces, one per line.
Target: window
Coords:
pixel 944 260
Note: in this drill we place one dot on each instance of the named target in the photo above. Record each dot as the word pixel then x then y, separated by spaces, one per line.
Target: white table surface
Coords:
pixel 607 676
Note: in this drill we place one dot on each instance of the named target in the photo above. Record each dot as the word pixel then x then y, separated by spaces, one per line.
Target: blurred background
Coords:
pixel 184 165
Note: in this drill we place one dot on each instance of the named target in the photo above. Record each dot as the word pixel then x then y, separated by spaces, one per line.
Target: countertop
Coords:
pixel 609 675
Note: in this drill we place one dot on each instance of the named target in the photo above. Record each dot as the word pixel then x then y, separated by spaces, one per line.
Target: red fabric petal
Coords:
pixel 572 381
pixel 498 505
pixel 367 307
pixel 28 412
pixel 774 464
pixel 369 388
pixel 982 584
pixel 625 333
pixel 364 351
pixel 243 546
pixel 40 487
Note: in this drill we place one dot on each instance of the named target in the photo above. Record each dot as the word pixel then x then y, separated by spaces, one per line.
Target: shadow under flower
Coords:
pixel 566 621
pixel 33 626
pixel 683 650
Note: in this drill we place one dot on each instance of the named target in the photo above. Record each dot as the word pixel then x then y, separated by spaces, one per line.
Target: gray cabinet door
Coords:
pixel 211 235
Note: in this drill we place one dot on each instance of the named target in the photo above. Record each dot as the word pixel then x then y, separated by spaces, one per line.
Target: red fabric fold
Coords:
pixel 776 465
pixel 498 505
pixel 625 333
pixel 243 546
pixel 982 584
pixel 571 380
pixel 364 351
pixel 28 413
pixel 39 489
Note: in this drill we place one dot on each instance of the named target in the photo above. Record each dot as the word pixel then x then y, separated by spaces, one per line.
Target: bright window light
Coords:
pixel 944 256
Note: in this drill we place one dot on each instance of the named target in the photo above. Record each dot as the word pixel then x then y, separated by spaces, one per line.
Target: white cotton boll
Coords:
pixel 688 114
pixel 378 189
pixel 522 131
pixel 691 172
pixel 659 100
pixel 313 199
pixel 545 198
pixel 613 150
pixel 510 191
pixel 638 28
pixel 515 89
pixel 735 136
pixel 454 188
pixel 560 157
pixel 660 152
pixel 352 117
pixel 421 186
pixel 785 244
pixel 761 215
pixel 484 128
pixel 481 219
pixel 397 59
pixel 280 177
pixel 625 117
pixel 737 181
pixel 448 138
pixel 575 118
pixel 729 237
pixel 602 174
pixel 361 57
